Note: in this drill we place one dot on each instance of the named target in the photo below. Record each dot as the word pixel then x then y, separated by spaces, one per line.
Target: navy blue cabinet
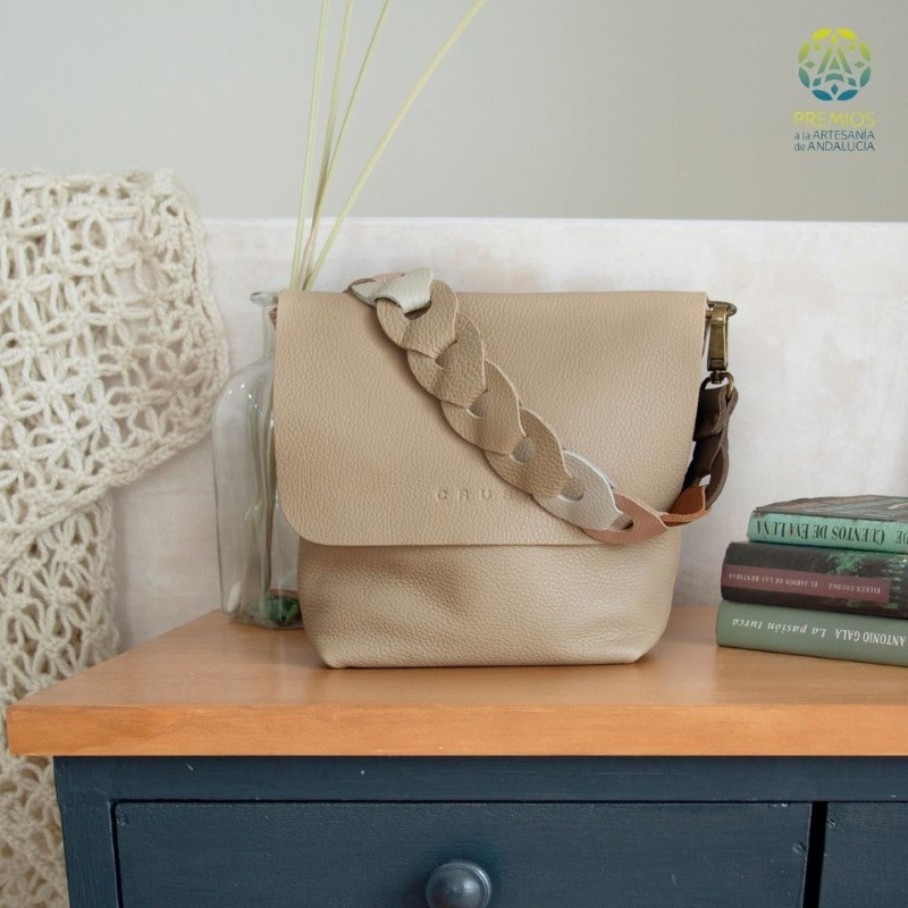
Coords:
pixel 329 855
pixel 548 832
pixel 865 855
pixel 223 765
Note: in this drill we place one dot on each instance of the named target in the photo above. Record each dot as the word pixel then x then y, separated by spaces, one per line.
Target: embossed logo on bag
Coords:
pixel 473 496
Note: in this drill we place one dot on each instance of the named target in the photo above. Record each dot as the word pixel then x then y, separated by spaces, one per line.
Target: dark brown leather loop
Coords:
pixel 710 457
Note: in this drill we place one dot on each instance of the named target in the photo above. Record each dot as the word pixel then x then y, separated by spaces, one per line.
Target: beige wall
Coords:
pixel 574 108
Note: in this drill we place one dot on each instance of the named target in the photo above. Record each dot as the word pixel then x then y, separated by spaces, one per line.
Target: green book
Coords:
pixel 804 632
pixel 871 523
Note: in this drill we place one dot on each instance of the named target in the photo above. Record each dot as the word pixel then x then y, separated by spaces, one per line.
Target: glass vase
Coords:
pixel 256 547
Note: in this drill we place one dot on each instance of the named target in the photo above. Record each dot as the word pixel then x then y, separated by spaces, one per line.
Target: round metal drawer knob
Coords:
pixel 458 884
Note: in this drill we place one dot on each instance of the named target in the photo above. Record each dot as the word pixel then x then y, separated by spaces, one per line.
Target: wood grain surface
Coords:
pixel 215 688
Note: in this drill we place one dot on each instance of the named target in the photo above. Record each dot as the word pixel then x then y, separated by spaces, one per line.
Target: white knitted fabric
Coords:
pixel 56 617
pixel 111 354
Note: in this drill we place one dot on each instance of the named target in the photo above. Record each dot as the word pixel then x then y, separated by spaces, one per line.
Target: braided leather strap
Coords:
pixel 446 355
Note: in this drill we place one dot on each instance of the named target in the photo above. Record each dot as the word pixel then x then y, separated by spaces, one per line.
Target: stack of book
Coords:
pixel 820 577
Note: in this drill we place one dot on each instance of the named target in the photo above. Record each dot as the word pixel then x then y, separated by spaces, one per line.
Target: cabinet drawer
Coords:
pixel 865 856
pixel 537 855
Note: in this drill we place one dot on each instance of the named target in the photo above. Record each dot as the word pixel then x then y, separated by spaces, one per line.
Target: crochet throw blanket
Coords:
pixel 111 354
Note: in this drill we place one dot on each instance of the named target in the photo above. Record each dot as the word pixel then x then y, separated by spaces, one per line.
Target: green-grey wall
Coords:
pixel 552 108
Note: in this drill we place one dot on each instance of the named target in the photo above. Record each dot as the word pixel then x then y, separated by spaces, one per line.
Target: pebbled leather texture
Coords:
pixel 415 552
pixel 486 605
pixel 365 456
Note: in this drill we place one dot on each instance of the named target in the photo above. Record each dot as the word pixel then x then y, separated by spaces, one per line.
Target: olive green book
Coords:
pixel 807 632
pixel 873 523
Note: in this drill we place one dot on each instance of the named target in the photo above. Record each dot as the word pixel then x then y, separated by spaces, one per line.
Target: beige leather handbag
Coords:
pixel 494 479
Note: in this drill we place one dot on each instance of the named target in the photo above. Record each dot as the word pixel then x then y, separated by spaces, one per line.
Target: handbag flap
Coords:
pixel 366 458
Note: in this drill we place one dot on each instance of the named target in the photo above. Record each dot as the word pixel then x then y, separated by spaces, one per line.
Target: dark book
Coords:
pixel 837 580
pixel 874 523
pixel 804 632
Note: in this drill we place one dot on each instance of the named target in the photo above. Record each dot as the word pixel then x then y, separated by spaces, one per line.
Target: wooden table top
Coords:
pixel 215 688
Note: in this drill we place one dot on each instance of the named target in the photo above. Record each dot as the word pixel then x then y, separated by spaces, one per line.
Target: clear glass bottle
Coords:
pixel 256 546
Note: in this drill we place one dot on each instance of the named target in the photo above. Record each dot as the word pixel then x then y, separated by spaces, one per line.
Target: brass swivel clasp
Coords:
pixel 717 317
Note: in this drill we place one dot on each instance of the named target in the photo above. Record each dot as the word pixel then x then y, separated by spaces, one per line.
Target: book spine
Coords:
pixel 804 632
pixel 830 532
pixel 839 580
